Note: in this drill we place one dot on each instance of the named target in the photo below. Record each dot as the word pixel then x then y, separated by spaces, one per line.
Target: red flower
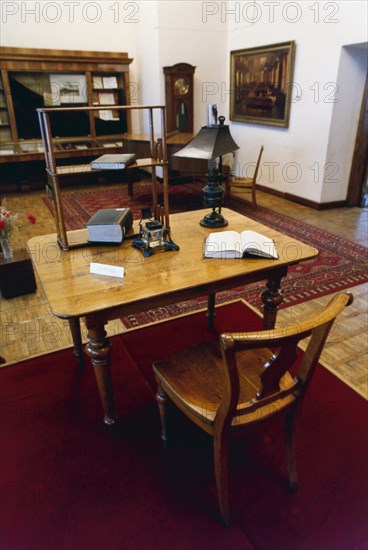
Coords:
pixel 31 218
pixel 2 224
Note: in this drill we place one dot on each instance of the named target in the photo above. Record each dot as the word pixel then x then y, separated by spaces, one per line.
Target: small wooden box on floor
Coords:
pixel 16 275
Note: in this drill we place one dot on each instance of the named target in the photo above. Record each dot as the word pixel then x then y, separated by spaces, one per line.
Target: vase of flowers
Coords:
pixel 9 221
pixel 6 248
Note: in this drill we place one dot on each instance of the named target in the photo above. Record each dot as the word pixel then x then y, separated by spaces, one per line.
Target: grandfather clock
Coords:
pixel 179 97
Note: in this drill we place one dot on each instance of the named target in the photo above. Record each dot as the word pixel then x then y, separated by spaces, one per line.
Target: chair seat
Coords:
pixel 246 183
pixel 193 380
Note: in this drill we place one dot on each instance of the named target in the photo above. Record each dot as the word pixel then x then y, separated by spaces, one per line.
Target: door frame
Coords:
pixel 359 165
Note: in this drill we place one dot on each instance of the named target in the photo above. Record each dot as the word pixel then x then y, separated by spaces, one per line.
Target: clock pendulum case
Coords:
pixel 179 97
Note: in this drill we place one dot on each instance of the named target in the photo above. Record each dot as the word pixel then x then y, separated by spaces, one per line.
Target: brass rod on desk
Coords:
pixel 165 169
pixel 153 155
pixel 52 178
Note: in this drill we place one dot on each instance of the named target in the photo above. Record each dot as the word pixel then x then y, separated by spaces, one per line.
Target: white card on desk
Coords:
pixel 105 269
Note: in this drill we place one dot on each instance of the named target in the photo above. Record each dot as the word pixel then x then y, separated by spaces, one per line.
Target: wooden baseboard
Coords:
pixel 301 200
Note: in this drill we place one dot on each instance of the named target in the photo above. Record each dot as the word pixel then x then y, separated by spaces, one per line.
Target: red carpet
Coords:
pixel 67 483
pixel 340 264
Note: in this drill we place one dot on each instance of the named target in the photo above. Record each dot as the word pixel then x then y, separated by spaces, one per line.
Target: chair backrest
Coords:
pixel 257 165
pixel 283 342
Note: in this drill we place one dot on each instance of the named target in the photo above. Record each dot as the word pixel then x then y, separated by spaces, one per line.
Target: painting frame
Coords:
pixel 261 80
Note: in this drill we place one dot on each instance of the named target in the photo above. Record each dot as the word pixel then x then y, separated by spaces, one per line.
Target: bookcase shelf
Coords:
pixel 32 78
pixel 85 168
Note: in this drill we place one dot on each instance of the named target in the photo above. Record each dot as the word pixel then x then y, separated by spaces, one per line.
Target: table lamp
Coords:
pixel 211 143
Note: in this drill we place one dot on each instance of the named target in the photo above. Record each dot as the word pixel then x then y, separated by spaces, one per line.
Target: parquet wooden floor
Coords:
pixel 28 327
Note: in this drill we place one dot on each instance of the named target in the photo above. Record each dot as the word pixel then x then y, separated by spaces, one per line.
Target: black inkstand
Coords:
pixel 153 237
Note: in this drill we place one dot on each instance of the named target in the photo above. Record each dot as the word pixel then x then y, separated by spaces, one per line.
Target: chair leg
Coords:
pixel 220 448
pixel 291 426
pixel 161 401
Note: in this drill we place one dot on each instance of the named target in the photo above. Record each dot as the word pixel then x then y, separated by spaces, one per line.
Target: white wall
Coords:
pixel 161 33
pixel 297 155
pixel 81 25
pixel 186 37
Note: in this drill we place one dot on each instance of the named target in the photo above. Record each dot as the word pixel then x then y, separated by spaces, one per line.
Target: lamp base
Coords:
pixel 214 219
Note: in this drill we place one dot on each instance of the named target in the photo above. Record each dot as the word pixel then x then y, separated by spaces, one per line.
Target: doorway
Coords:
pixel 358 183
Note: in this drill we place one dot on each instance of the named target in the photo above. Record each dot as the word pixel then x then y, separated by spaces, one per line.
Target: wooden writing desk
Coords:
pixel 162 279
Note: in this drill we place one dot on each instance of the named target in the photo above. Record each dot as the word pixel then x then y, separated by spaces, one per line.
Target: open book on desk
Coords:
pixel 230 244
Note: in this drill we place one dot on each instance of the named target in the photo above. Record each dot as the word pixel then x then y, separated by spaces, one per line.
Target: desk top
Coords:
pixel 165 277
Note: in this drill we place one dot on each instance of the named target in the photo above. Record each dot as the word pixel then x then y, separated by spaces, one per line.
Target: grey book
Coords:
pixel 109 225
pixel 113 162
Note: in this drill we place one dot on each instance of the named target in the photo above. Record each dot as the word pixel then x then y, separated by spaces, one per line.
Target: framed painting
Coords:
pixel 261 84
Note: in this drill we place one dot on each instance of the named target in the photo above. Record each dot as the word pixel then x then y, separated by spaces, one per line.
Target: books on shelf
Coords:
pixel 108 115
pixel 81 146
pixel 105 82
pixel 110 82
pixel 29 147
pixel 112 144
pixel 106 99
pixel 109 225
pixel 97 82
pixel 230 244
pixel 4 119
pixel 113 162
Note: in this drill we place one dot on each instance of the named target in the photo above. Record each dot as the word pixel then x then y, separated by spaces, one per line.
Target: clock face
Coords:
pixel 181 86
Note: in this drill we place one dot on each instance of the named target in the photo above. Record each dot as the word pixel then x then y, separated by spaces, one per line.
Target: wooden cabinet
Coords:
pixel 5 131
pixel 33 78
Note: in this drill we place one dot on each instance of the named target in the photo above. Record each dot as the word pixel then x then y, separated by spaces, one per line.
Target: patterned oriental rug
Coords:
pixel 340 264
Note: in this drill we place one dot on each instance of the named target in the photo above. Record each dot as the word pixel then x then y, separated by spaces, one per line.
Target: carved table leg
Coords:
pixel 161 401
pixel 74 325
pixel 98 349
pixel 272 298
pixel 211 310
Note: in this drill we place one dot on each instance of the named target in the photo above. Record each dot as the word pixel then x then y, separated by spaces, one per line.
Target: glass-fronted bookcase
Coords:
pixel 35 78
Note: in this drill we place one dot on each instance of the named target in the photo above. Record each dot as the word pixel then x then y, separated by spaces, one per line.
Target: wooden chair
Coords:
pixel 227 385
pixel 245 184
